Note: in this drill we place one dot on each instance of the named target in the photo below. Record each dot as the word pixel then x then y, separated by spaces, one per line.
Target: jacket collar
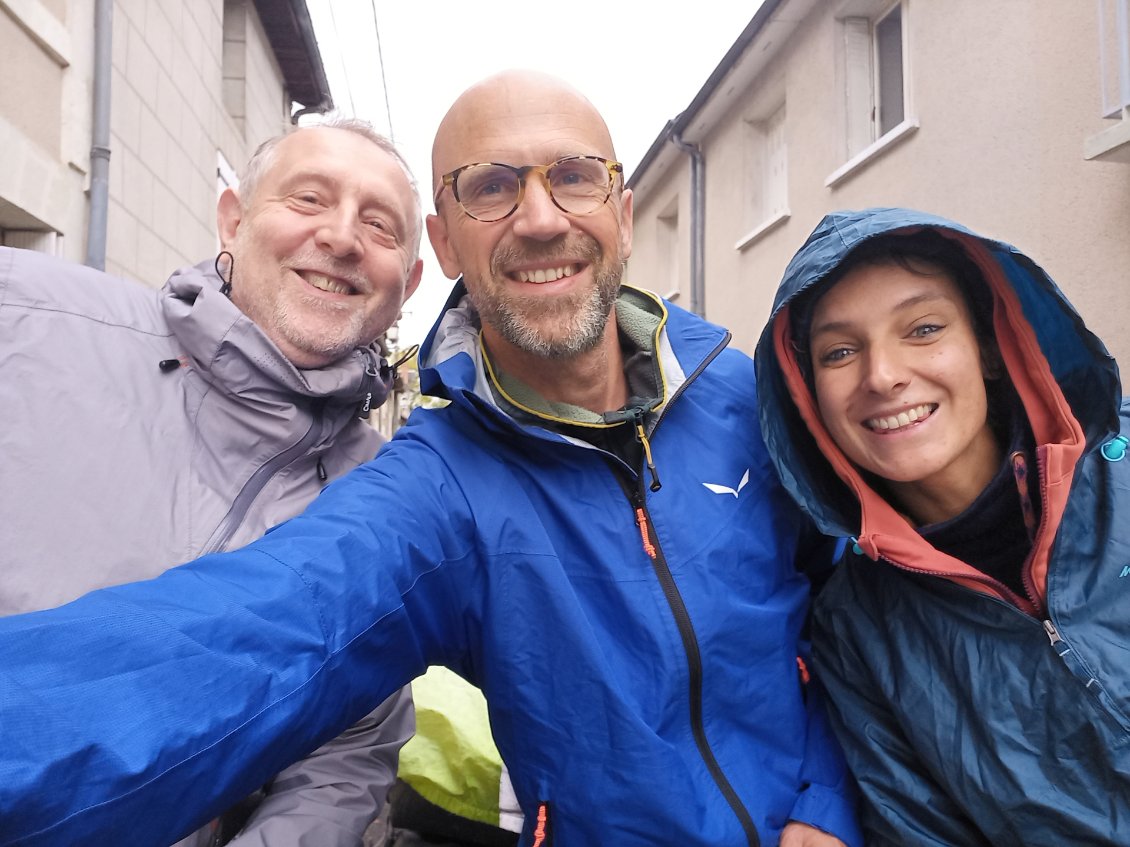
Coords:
pixel 230 352
pixel 452 365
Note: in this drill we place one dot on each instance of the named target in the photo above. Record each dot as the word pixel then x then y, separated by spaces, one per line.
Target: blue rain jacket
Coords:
pixel 972 715
pixel 638 647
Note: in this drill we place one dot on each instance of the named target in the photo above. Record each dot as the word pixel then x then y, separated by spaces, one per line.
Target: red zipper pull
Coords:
pixel 641 521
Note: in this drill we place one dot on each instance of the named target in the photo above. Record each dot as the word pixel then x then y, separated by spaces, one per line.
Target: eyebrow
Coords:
pixel 840 326
pixel 369 202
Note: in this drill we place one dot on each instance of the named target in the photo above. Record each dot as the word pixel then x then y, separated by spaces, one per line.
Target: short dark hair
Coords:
pixel 908 250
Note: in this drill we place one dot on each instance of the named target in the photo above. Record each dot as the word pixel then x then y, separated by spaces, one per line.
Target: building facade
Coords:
pixel 194 86
pixel 1012 117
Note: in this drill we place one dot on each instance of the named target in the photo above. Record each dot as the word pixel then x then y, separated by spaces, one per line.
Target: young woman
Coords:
pixel 931 395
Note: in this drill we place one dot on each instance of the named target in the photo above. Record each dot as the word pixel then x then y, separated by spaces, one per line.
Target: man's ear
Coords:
pixel 229 214
pixel 441 244
pixel 626 203
pixel 413 281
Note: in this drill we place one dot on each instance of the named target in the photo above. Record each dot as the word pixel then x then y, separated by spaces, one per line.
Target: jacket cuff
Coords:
pixel 830 812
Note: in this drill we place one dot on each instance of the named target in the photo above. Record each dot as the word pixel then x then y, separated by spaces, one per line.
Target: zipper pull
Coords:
pixel 1053 633
pixel 641 522
pixel 634 415
pixel 641 437
pixel 542 835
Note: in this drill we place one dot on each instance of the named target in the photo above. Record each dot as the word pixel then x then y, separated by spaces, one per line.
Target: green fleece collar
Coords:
pixel 640 317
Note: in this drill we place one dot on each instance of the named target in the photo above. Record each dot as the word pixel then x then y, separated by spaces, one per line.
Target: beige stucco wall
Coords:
pixel 168 120
pixel 1005 94
pixel 650 268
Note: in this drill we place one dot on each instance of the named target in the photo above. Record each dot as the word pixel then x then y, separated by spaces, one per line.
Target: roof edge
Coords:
pixel 681 121
pixel 290 32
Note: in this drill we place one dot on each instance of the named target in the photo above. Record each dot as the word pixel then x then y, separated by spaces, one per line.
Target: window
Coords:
pixel 1114 57
pixel 875 90
pixel 767 175
pixel 1113 143
pixel 20 229
pixel 768 184
pixel 234 61
pixel 667 235
pixel 878 111
pixel 31 239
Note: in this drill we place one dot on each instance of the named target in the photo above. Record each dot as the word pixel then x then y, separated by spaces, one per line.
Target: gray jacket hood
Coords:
pixel 231 352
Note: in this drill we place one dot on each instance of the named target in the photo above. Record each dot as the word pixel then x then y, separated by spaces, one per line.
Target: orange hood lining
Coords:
pixel 884 532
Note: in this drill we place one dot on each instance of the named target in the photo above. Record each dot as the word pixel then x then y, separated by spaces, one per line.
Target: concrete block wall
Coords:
pixel 173 81
pixel 174 78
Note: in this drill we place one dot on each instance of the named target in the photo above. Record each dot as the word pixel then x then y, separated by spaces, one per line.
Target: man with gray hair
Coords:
pixel 142 428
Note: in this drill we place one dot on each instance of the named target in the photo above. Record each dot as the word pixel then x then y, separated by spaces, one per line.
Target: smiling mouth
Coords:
pixel 326 283
pixel 890 423
pixel 542 275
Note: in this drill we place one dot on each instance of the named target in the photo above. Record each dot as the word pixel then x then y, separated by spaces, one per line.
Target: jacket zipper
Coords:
pixel 1026 572
pixel 635 416
pixel 634 489
pixel 694 662
pixel 246 496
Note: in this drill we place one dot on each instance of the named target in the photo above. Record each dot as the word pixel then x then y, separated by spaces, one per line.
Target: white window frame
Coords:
pixel 862 83
pixel 1113 143
pixel 767 173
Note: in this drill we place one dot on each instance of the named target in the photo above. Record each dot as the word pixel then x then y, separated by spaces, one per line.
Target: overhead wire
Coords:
pixel 341 59
pixel 384 79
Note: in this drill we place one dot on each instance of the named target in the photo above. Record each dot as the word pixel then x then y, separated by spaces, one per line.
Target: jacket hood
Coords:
pixel 232 353
pixel 1067 381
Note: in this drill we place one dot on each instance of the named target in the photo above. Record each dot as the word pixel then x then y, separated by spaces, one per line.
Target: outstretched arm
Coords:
pixel 187 692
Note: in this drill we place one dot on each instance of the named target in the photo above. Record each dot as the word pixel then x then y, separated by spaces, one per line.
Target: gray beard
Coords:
pixel 580 318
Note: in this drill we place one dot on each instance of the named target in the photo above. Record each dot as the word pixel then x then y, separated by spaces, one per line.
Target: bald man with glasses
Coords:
pixel 590 531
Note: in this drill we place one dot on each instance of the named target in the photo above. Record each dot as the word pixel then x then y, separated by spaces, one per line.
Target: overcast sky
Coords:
pixel 639 61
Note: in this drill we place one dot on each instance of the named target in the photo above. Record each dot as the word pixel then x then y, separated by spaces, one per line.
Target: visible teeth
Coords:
pixel 902 418
pixel 326 284
pixel 546 274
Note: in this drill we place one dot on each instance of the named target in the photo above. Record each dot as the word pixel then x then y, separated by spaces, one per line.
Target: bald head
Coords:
pixel 518 109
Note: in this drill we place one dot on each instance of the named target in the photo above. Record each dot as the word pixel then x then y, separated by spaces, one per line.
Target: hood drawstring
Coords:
pixel 376 370
pixel 225 289
pixel 408 354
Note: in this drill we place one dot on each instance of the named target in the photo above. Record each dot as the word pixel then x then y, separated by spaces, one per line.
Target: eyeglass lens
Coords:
pixel 490 192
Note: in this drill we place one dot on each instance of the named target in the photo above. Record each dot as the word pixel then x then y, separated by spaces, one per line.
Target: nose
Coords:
pixel 884 371
pixel 537 216
pixel 337 233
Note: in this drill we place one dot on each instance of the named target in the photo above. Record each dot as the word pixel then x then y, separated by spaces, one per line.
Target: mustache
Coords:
pixel 564 250
pixel 321 263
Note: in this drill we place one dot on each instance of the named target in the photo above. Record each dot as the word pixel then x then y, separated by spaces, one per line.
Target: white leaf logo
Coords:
pixel 725 489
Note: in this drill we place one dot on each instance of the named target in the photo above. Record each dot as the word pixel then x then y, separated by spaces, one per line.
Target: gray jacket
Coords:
pixel 145 428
